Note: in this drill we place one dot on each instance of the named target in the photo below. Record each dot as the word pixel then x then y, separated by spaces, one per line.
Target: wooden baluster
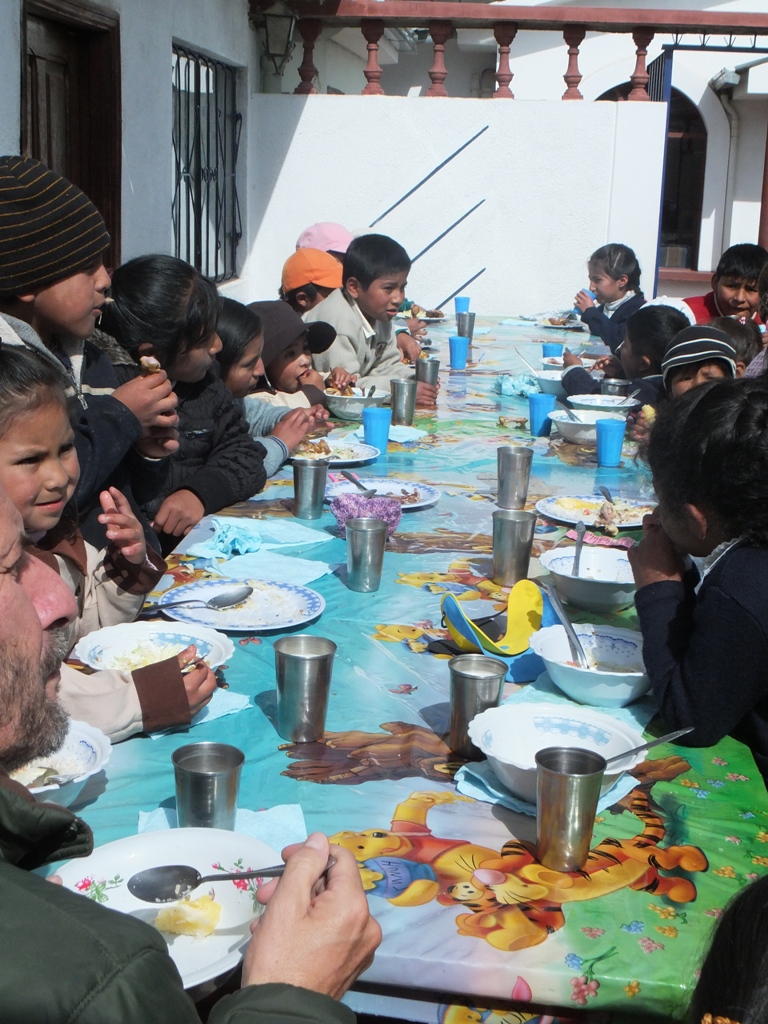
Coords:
pixel 574 37
pixel 441 32
pixel 639 77
pixel 504 32
pixel 310 29
pixel 372 30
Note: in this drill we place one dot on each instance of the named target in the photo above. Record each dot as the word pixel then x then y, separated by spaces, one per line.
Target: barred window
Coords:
pixel 206 137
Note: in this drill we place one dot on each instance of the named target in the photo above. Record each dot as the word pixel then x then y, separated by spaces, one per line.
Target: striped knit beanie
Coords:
pixel 699 344
pixel 48 228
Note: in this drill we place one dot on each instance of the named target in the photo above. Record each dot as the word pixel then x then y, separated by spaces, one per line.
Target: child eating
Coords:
pixel 734 285
pixel 38 471
pixel 697 355
pixel 705 627
pixel 614 277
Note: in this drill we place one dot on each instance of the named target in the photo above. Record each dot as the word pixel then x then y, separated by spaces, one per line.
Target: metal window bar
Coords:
pixel 205 210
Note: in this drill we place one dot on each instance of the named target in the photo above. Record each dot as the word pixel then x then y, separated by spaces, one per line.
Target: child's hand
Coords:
pixel 318 417
pixel 293 428
pixel 416 328
pixel 313 377
pixel 123 528
pixel 655 559
pixel 410 349
pixel 584 300
pixel 160 444
pixel 199 682
pixel 151 399
pixel 426 394
pixel 179 513
pixel 570 359
pixel 639 430
pixel 340 378
pixel 610 365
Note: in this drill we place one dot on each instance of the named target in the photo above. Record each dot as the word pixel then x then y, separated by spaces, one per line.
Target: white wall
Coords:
pixel 548 205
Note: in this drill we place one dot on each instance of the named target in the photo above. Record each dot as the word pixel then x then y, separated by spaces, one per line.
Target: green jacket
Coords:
pixel 68 960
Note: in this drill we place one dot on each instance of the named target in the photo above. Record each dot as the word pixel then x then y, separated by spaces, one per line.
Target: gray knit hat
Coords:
pixel 48 228
pixel 699 344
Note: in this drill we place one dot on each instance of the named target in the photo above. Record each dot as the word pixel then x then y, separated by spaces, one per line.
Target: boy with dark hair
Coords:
pixel 52 285
pixel 734 285
pixel 374 275
pixel 746 339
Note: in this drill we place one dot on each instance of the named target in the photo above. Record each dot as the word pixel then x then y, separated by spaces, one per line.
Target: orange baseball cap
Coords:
pixel 311 266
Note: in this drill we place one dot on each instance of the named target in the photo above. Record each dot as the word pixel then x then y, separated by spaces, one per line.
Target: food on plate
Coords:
pixel 606 518
pixel 601 513
pixel 406 497
pixel 557 321
pixel 144 654
pixel 197 918
pixel 149 365
pixel 47 771
pixel 649 413
pixel 314 449
pixel 430 314
pixel 347 391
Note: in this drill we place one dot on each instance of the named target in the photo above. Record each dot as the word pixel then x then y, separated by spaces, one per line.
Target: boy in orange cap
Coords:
pixel 309 276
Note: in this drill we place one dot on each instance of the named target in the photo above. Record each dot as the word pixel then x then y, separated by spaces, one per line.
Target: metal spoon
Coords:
pixel 577 650
pixel 226 599
pixel 581 529
pixel 629 398
pixel 651 743
pixel 606 494
pixel 367 492
pixel 571 414
pixel 533 371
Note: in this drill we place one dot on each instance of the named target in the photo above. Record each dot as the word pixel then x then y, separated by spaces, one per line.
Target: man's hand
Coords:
pixel 570 359
pixel 293 428
pixel 179 513
pixel 410 349
pixel 123 528
pixel 584 300
pixel 610 365
pixel 152 401
pixel 426 394
pixel 318 941
pixel 340 378
pixel 199 682
pixel 655 559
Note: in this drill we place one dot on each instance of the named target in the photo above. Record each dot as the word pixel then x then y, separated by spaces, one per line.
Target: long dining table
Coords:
pixel 612 944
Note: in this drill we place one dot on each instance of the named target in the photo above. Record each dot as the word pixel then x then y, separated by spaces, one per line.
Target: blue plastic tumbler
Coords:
pixel 592 296
pixel 539 406
pixel 461 303
pixel 459 347
pixel 610 437
pixel 376 423
pixel 551 348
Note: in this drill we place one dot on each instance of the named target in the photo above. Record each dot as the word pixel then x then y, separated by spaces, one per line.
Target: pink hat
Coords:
pixel 326 236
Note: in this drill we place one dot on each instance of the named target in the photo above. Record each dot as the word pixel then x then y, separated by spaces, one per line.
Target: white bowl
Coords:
pixel 584 432
pixel 552 362
pixel 605 582
pixel 132 645
pixel 511 735
pixel 619 675
pixel 551 382
pixel 84 752
pixel 604 403
pixel 351 408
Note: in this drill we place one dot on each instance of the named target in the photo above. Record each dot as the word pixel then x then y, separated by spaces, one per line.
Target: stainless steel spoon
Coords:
pixel 173 882
pixel 606 494
pixel 571 414
pixel 651 743
pixel 367 492
pixel 629 398
pixel 577 650
pixel 581 529
pixel 226 599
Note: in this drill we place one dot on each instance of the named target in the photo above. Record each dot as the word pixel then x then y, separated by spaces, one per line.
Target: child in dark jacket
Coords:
pixel 614 277
pixel 705 626
pixel 164 312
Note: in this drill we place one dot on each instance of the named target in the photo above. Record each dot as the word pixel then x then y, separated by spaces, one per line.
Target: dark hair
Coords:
pixel 734 976
pixel 744 261
pixel 651 328
pixel 372 256
pixel 27 382
pixel 709 447
pixel 164 301
pixel 616 260
pixel 237 326
pixel 745 336
pixel 309 289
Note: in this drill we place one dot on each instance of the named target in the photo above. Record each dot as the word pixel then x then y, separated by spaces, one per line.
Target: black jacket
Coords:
pixel 612 328
pixel 579 381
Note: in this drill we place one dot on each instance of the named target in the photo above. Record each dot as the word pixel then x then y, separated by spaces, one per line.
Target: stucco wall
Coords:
pixel 557 180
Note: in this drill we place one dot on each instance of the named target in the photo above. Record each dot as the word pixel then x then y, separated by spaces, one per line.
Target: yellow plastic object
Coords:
pixel 525 608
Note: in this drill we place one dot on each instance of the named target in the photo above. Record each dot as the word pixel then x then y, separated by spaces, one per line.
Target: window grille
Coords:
pixel 206 136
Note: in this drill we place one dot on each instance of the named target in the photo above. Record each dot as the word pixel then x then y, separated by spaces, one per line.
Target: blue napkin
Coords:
pixel 478 781
pixel 242 536
pixel 521 385
pixel 274 567
pixel 276 826
pixel 222 702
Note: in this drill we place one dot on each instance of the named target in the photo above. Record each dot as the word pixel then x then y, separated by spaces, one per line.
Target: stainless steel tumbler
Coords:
pixel 207 783
pixel 476 685
pixel 303 667
pixel 512 543
pixel 568 781
pixel 427 370
pixel 365 553
pixel 514 474
pixel 309 479
pixel 403 401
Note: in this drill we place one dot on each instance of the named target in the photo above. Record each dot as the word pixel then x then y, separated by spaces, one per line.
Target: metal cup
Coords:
pixel 309 478
pixel 465 325
pixel 427 370
pixel 614 386
pixel 207 782
pixel 476 685
pixel 365 553
pixel 403 401
pixel 303 666
pixel 514 472
pixel 512 542
pixel 568 781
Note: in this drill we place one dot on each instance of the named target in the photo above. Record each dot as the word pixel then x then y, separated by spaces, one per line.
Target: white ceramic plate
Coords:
pixel 270 606
pixel 134 644
pixel 104 875
pixel 345 454
pixel 573 508
pixel 387 487
pixel 85 751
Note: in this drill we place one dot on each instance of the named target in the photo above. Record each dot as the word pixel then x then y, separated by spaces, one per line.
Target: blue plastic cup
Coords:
pixel 592 296
pixel 376 424
pixel 610 437
pixel 461 302
pixel 539 407
pixel 551 348
pixel 459 347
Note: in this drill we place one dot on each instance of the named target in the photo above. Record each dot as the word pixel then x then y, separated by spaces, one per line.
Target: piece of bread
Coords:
pixel 190 917
pixel 149 365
